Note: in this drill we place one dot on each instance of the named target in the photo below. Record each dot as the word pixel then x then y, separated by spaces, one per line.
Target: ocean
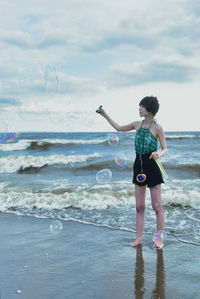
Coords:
pixel 87 178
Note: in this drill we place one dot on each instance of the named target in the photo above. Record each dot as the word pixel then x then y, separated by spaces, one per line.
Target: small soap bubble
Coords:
pixel 159 235
pixel 113 139
pixel 51 79
pixel 18 292
pixel 75 164
pixel 104 176
pixel 121 159
pixel 56 227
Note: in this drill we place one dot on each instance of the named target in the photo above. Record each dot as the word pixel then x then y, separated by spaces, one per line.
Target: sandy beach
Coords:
pixel 87 262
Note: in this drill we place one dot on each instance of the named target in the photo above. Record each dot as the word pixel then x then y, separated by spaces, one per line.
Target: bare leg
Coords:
pixel 140 209
pixel 157 206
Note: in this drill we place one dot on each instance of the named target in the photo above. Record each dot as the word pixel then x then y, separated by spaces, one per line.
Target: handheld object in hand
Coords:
pixel 99 109
pixel 162 169
pixel 141 177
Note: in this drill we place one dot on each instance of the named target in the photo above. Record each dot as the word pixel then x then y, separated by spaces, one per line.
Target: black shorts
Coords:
pixel 150 169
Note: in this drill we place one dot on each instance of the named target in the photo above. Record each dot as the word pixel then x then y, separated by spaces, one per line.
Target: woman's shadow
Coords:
pixel 159 290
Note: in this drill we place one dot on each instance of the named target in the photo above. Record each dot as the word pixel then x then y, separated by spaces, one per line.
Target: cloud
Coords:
pixel 154 70
pixel 16 38
pixel 96 47
pixel 94 27
pixel 9 102
pixel 79 85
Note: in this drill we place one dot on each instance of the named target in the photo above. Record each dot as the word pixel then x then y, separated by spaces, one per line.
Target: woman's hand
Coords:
pixel 102 112
pixel 115 125
pixel 155 156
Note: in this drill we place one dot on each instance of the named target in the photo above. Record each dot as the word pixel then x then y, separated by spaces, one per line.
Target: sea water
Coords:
pixel 54 175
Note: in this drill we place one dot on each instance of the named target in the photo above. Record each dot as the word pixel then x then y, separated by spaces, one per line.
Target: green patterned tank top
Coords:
pixel 145 141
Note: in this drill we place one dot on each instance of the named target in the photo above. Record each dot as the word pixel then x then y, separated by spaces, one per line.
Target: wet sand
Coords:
pixel 88 262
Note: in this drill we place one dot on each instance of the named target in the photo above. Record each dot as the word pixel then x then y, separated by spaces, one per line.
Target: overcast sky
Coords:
pixel 61 59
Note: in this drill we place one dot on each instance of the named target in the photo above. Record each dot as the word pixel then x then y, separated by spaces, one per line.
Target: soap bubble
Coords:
pixel 7 133
pixel 18 291
pixel 55 227
pixel 51 78
pixel 59 118
pixel 30 73
pixel 121 159
pixel 104 176
pixel 30 77
pixel 8 137
pixel 159 235
pixel 75 164
pixel 113 139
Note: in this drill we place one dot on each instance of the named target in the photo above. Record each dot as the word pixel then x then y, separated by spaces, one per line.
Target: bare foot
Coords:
pixel 136 242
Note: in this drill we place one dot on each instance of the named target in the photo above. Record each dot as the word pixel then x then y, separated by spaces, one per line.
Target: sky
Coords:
pixel 61 59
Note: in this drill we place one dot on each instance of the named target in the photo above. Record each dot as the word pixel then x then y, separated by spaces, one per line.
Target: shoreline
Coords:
pixel 83 261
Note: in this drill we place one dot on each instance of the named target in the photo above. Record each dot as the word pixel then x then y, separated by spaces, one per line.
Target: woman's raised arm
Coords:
pixel 115 125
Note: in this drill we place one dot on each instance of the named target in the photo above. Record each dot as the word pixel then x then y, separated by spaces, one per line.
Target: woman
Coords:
pixel 146 170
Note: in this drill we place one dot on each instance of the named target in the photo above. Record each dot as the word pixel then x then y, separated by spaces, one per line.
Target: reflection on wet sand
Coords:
pixel 159 290
pixel 139 273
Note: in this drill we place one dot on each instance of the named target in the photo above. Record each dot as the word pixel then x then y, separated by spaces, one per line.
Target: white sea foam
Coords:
pixel 13 163
pixel 3 185
pixel 180 136
pixel 73 141
pixel 20 145
pixel 25 143
pixel 180 160
pixel 181 196
pixel 85 197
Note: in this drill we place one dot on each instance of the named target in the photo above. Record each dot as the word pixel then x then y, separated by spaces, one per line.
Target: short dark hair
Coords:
pixel 151 104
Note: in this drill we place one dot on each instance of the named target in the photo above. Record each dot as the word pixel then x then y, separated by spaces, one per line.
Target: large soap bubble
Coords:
pixel 59 118
pixel 104 176
pixel 51 79
pixel 8 137
pixel 7 133
pixel 30 74
pixel 113 139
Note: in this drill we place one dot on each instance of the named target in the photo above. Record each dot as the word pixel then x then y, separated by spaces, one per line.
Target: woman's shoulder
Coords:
pixel 158 127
